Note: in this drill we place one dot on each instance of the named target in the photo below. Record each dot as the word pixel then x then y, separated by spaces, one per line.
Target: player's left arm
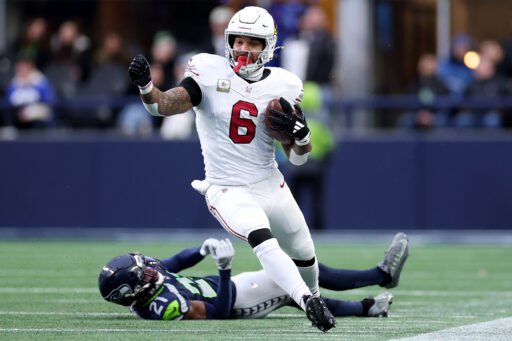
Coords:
pixel 187 258
pixel 184 259
pixel 222 254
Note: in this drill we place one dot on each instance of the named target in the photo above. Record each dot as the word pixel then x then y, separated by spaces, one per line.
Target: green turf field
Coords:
pixel 49 291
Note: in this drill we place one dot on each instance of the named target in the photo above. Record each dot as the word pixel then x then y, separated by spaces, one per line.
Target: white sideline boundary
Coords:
pixel 495 330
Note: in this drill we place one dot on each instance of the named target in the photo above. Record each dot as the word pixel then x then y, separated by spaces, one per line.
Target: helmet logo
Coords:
pixel 119 293
pixel 138 260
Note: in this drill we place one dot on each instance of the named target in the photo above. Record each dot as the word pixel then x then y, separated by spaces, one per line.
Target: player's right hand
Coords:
pixel 208 245
pixel 223 254
pixel 139 71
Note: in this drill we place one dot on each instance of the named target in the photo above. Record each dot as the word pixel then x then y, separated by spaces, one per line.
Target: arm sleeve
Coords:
pixel 221 308
pixel 183 260
pixel 193 90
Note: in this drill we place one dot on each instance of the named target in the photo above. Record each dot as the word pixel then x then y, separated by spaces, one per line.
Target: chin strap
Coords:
pixel 253 76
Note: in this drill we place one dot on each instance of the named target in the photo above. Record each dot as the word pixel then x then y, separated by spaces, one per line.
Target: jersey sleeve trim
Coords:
pixel 193 90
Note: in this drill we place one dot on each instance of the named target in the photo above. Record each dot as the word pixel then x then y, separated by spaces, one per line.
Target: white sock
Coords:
pixel 310 276
pixel 282 270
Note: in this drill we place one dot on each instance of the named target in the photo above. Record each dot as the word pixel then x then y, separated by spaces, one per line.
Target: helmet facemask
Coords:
pixel 126 280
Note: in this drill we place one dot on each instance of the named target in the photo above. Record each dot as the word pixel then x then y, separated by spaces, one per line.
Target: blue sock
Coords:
pixel 344 308
pixel 340 279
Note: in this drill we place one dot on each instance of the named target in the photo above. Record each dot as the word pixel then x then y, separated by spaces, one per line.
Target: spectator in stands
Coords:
pixel 311 56
pixel 454 73
pixel 492 50
pixel 287 15
pixel 74 47
pixel 487 84
pixel 505 67
pixel 308 180
pixel 108 80
pixel 219 19
pixel 321 47
pixel 112 50
pixel 35 42
pixel 163 52
pixel 31 96
pixel 108 77
pixel 68 68
pixel 427 89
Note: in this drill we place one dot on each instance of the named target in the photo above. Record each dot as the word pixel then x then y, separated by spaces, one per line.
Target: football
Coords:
pixel 277 135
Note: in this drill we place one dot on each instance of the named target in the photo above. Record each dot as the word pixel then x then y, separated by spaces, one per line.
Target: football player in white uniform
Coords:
pixel 243 187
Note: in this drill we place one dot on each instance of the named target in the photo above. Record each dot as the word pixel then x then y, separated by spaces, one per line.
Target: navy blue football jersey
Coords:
pixel 172 300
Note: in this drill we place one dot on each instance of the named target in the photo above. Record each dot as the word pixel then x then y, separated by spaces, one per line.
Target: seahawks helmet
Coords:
pixel 127 279
pixel 253 22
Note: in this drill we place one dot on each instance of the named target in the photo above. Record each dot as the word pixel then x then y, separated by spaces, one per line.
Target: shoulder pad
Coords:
pixel 292 89
pixel 206 69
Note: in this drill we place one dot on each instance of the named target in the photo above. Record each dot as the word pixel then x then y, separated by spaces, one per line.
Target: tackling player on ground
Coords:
pixel 155 291
pixel 243 188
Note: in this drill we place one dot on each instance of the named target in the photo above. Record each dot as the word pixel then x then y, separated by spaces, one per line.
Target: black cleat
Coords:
pixel 318 313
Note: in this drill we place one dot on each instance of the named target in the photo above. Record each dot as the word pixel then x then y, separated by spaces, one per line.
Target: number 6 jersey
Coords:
pixel 236 146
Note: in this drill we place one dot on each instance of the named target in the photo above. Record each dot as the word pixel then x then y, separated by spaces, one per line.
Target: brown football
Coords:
pixel 277 135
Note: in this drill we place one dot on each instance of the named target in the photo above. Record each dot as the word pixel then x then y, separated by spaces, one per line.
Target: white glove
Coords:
pixel 223 254
pixel 208 245
pixel 201 186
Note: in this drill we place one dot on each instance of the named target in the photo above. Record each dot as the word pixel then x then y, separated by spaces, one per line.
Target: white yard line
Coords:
pixel 49 290
pixel 96 330
pixel 54 313
pixel 416 293
pixel 496 330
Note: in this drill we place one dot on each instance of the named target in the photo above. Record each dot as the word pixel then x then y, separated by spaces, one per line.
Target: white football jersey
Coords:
pixel 236 146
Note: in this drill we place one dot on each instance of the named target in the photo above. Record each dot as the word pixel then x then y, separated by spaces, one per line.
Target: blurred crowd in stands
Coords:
pixel 490 77
pixel 62 80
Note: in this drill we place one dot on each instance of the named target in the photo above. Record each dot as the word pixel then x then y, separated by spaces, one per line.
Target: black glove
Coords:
pixel 293 124
pixel 139 71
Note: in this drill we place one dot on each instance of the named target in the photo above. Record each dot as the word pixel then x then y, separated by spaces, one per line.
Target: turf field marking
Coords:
pixel 496 330
pixel 95 330
pixel 313 334
pixel 415 293
pixel 49 290
pixel 436 293
pixel 50 313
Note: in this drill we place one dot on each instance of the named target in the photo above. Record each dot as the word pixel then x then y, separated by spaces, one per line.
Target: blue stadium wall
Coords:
pixel 380 182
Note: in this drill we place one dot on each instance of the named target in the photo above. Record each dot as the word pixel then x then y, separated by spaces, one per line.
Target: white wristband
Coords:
pixel 144 90
pixel 304 141
pixel 296 159
pixel 152 109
